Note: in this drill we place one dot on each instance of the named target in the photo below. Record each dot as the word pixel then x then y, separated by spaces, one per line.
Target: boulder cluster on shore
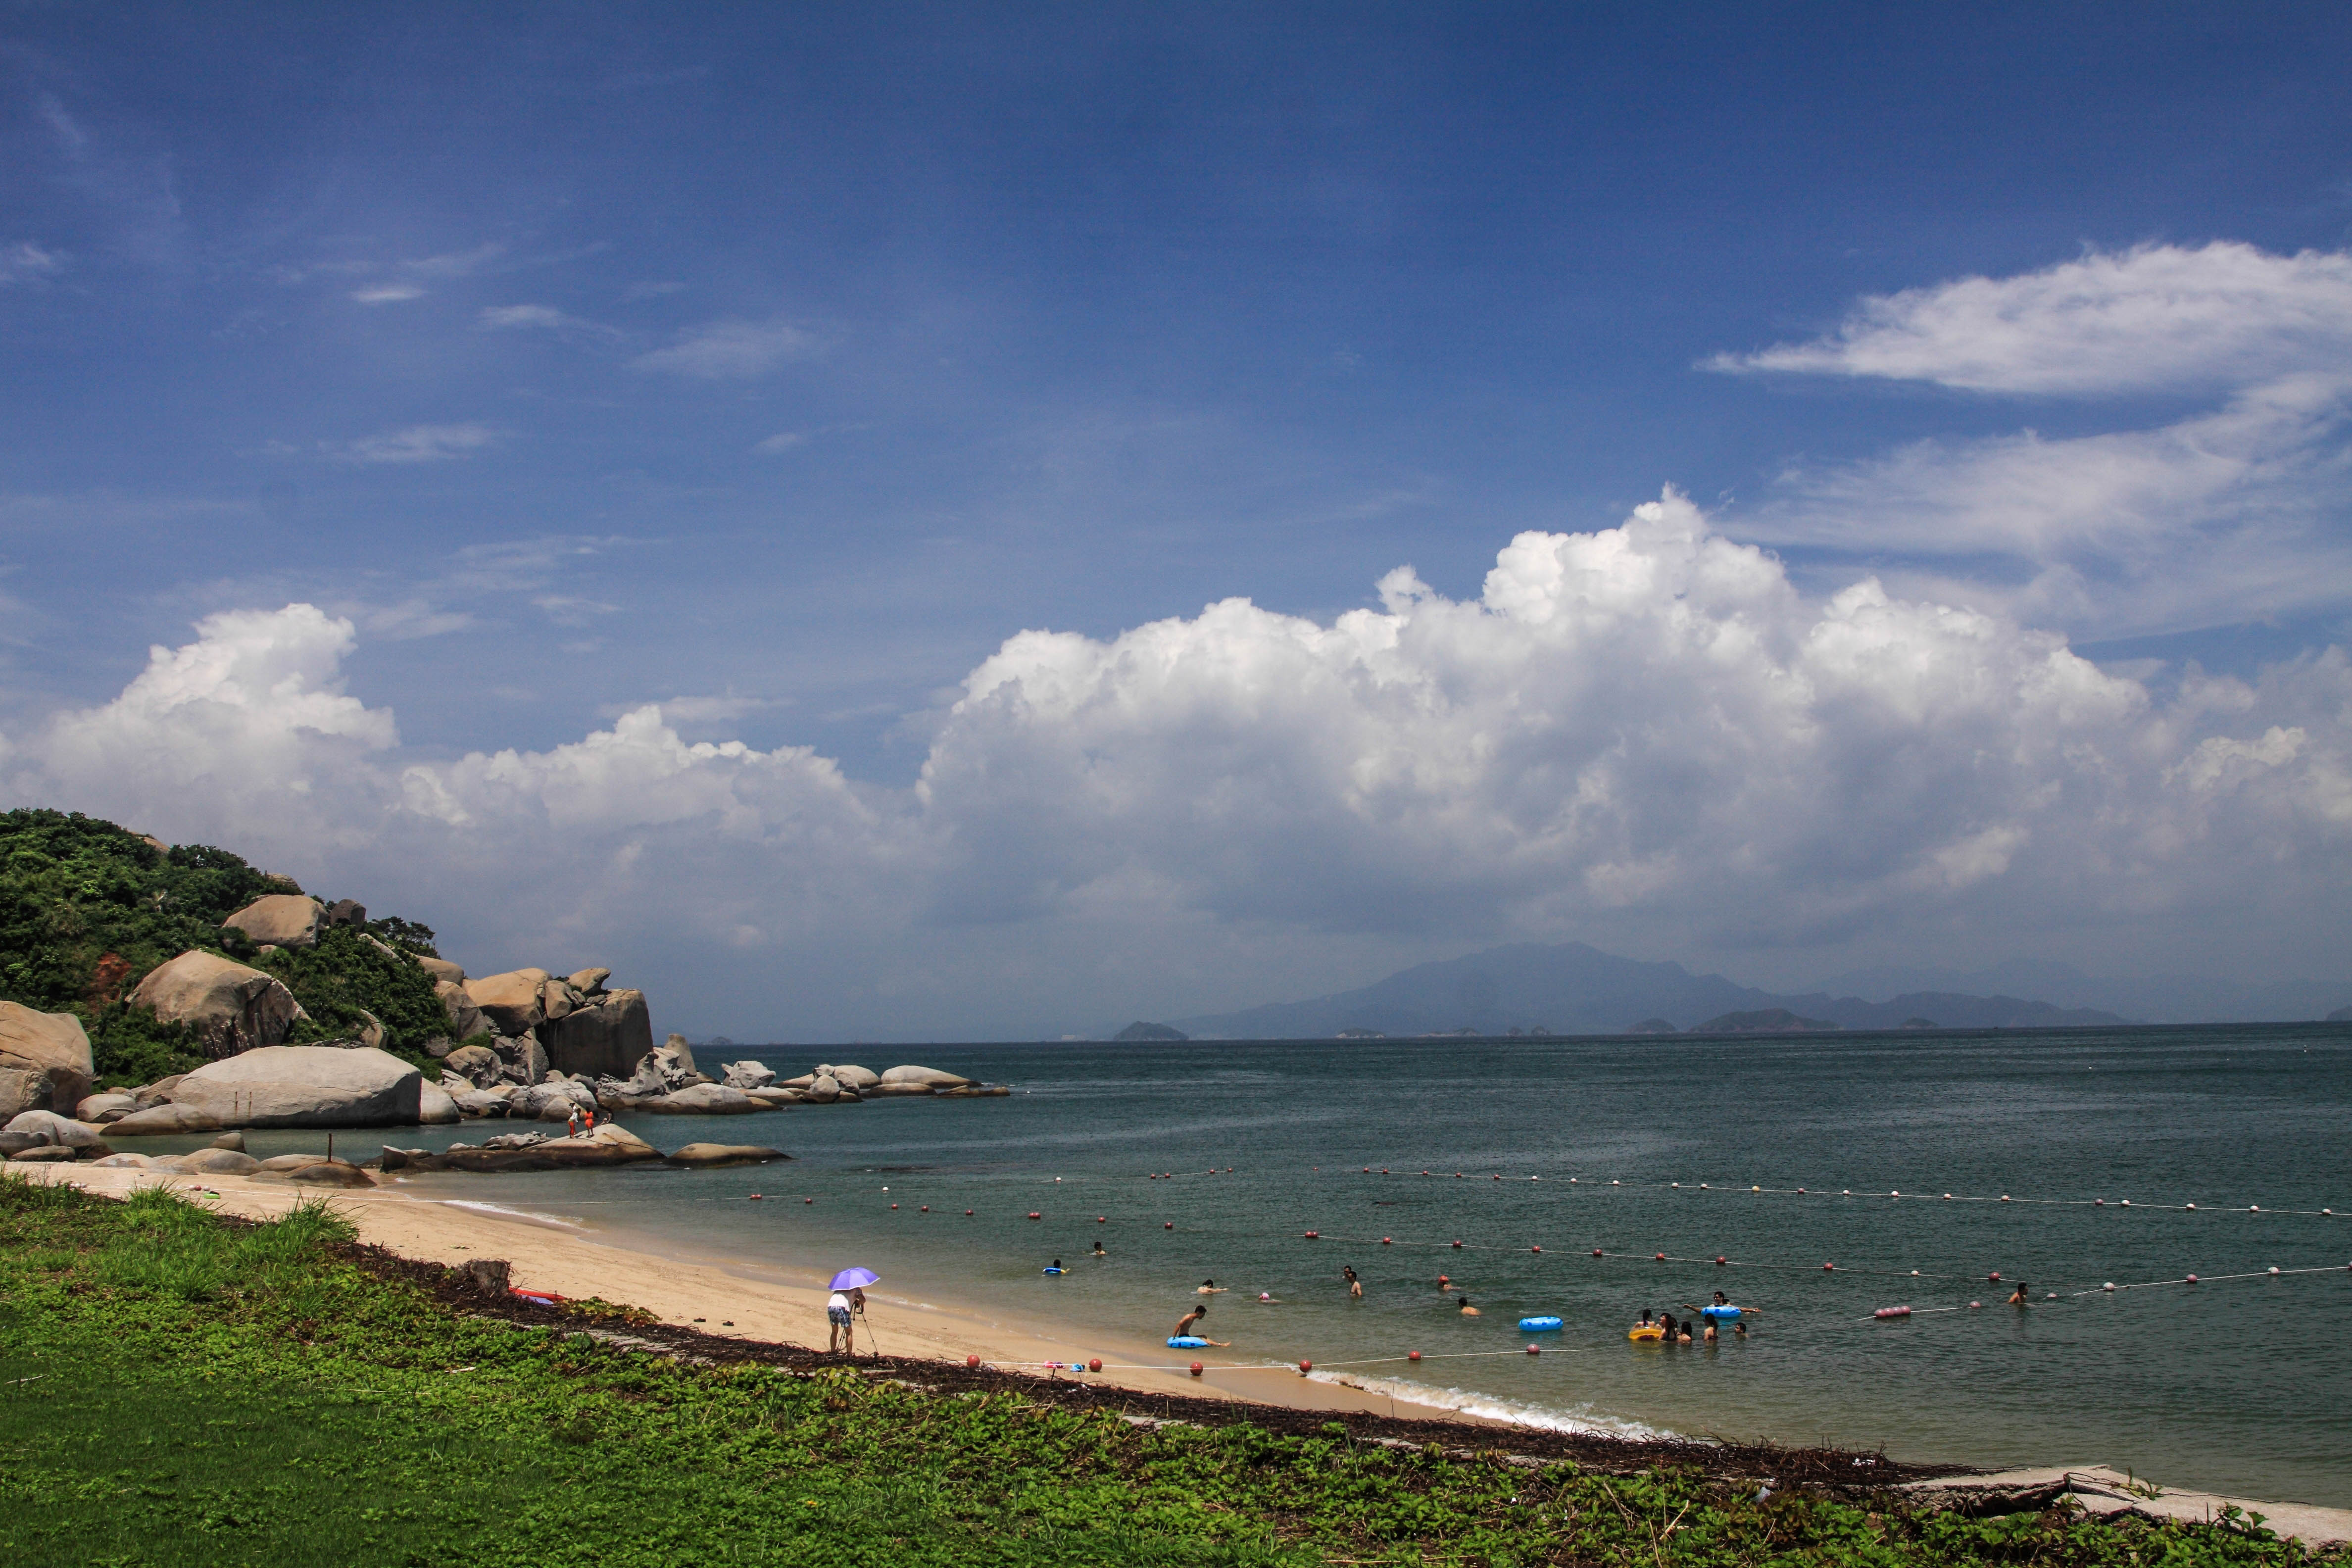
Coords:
pixel 526 1045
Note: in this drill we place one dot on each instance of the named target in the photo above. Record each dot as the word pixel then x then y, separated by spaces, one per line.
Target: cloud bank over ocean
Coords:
pixel 1645 736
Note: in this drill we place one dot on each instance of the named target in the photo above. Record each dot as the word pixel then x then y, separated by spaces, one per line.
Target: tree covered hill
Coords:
pixel 88 908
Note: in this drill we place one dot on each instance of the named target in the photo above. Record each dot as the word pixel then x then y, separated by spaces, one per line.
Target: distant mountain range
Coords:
pixel 2153 999
pixel 1575 989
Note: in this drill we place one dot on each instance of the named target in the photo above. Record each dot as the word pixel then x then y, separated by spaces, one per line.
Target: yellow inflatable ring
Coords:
pixel 1642 1334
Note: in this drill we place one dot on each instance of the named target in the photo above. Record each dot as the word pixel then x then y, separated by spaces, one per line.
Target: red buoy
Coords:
pixel 1094 1365
pixel 1100 1220
pixel 2192 1280
pixel 1718 1260
pixel 894 1206
pixel 967 1213
pixel 1535 1350
pixel 755 1198
pixel 1196 1369
pixel 1993 1278
pixel 1828 1267
pixel 1312 1235
pixel 1168 1225
pixel 808 1200
pixel 1662 1258
pixel 926 1208
pixel 1304 1367
pixel 1034 1214
pixel 1457 1247
pixel 1413 1355
pixel 1596 1252
pixel 972 1361
pixel 1535 1250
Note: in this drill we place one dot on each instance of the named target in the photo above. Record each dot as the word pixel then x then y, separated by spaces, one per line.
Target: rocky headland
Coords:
pixel 277 1009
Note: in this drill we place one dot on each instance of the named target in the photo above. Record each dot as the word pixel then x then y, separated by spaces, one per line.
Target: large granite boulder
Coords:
pixel 477 1065
pixel 52 1128
pixel 45 1063
pixel 231 1007
pixel 851 1077
pixel 48 1153
pixel 823 1088
pixel 156 1093
pixel 440 969
pixel 436 1106
pixel 103 1108
pixel 589 983
pixel 524 1058
pixel 466 1020
pixel 746 1075
pixel 332 1174
pixel 704 1100
pixel 929 1078
pixel 281 920
pixel 710 1154
pixel 606 1036
pixel 608 1145
pixel 158 1120
pixel 218 1163
pixel 512 1001
pixel 305 1086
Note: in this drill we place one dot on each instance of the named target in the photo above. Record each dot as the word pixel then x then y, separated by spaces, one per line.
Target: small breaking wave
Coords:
pixel 1493 1409
pixel 505 1213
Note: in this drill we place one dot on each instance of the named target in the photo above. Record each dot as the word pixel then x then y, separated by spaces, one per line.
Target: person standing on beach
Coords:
pixel 837 1317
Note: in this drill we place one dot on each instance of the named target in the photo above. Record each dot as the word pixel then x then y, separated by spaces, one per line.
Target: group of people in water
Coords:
pixel 1716 1315
pixel 1664 1329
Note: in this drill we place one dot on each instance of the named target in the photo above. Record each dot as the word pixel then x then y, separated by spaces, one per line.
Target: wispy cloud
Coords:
pixel 387 293
pixel 781 442
pixel 569 610
pixel 2160 316
pixel 456 264
pixel 24 262
pixel 417 444
pixel 730 350
pixel 543 318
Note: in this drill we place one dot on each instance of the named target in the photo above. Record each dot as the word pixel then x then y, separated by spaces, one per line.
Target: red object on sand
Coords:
pixel 1094 1365
pixel 543 1298
pixel 972 1361
pixel 1196 1369
pixel 1304 1367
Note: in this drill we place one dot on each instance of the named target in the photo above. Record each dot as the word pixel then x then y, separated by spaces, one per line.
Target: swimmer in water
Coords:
pixel 1355 1286
pixel 1185 1327
pixel 1467 1309
pixel 1445 1283
pixel 1721 1311
pixel 1210 1287
pixel 2017 1297
pixel 1666 1327
pixel 1098 1251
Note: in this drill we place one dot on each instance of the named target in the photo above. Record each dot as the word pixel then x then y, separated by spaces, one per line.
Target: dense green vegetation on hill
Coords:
pixel 87 909
pixel 187 1391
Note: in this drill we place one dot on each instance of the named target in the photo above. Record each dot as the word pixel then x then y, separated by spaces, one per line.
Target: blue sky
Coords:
pixel 777 367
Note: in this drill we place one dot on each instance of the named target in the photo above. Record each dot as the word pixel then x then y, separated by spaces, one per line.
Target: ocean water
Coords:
pixel 2239 1384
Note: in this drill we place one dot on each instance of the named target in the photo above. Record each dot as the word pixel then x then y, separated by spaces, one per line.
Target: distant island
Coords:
pixel 1764 1021
pixel 1576 989
pixel 1139 1031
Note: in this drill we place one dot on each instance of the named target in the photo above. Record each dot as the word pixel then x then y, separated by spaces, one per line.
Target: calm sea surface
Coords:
pixel 2233 1385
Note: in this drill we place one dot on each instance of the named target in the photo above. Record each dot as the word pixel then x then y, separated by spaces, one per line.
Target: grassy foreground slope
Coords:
pixel 87 909
pixel 184 1390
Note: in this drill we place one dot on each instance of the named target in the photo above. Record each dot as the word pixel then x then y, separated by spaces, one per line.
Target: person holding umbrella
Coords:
pixel 846 1303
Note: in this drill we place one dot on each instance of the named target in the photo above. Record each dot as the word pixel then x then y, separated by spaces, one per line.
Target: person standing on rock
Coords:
pixel 572 1123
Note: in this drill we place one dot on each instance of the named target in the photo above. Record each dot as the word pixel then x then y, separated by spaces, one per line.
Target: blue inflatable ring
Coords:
pixel 1186 1343
pixel 1538 1325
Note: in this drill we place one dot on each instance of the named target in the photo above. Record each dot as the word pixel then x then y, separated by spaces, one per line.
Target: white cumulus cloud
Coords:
pixel 1645 736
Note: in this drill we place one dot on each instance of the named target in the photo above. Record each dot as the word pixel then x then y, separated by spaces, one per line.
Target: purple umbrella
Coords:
pixel 855 1280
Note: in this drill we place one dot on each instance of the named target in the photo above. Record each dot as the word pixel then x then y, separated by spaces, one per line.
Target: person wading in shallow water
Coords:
pixel 1355 1286
pixel 1187 1327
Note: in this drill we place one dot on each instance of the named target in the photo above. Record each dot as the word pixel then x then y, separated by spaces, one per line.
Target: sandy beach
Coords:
pixel 781 1303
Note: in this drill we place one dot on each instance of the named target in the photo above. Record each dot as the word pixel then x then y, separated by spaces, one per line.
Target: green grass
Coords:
pixel 182 1390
